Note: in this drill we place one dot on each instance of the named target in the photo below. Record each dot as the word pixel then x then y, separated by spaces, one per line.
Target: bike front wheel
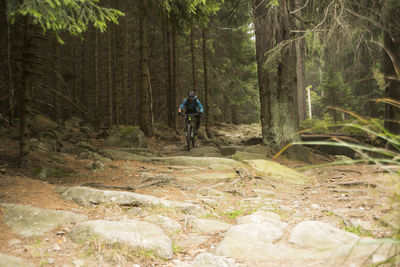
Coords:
pixel 188 136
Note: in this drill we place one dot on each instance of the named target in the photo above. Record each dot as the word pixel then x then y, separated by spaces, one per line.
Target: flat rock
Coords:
pixel 29 221
pixel 214 176
pixel 264 193
pixel 11 261
pixel 208 191
pixel 122 155
pixel 88 197
pixel 191 241
pixel 195 161
pixel 276 171
pixel 132 233
pixel 220 167
pixel 165 223
pixel 210 260
pixel 208 226
pixel 241 156
pixel 252 242
pixel 319 235
pixel 202 151
pixel 263 217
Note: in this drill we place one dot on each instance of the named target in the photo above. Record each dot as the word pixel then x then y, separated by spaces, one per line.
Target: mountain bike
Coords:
pixel 190 129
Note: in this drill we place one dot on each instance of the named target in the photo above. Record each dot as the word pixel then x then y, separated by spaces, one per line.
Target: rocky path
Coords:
pixel 213 206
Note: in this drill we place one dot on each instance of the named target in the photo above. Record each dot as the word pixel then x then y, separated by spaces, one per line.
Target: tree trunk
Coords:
pixel 116 77
pixel 125 72
pixel 170 94
pixel 109 80
pixel 205 69
pixel 192 51
pixel 300 68
pixel 391 39
pixel 174 93
pixel 10 75
pixel 25 90
pixel 83 94
pixel 165 35
pixel 96 79
pixel 145 112
pixel 56 81
pixel 276 74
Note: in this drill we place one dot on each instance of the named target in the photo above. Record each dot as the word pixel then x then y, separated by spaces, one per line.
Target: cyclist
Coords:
pixel 192 105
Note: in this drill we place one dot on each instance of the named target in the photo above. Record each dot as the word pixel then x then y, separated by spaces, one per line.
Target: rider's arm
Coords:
pixel 201 110
pixel 182 106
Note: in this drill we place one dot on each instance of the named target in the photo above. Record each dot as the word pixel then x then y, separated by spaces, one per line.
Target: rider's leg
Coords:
pixel 198 121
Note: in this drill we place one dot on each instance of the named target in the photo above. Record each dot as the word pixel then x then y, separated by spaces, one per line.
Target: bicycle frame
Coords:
pixel 190 139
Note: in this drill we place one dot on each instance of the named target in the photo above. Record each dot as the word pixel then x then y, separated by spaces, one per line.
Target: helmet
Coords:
pixel 191 95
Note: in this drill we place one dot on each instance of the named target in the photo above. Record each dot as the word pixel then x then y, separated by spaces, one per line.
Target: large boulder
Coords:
pixel 165 223
pixel 241 156
pixel 195 161
pixel 276 171
pixel 88 197
pixel 210 260
pixel 252 242
pixel 135 234
pixel 128 136
pixel 319 235
pixel 11 261
pixel 205 226
pixel 202 151
pixel 214 176
pixel 29 221
pixel 264 217
pixel 41 125
pixel 116 154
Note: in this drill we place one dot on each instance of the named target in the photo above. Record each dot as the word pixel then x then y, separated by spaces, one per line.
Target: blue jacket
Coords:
pixel 192 106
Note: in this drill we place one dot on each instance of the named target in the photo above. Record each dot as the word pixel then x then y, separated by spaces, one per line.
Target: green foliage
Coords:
pixel 358 231
pixel 233 214
pixel 64 15
pixel 186 13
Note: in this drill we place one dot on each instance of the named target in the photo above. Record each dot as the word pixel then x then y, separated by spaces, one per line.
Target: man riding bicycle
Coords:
pixel 192 105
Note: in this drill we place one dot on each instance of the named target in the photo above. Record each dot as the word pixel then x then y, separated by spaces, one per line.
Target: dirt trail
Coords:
pixel 351 197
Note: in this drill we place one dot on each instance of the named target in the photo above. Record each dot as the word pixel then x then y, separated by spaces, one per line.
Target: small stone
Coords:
pixel 50 260
pixel 57 247
pixel 14 242
pixel 78 263
pixel 315 206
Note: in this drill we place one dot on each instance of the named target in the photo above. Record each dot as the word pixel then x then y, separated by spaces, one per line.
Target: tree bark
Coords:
pixel 276 74
pixel 109 79
pixel 192 51
pixel 96 79
pixel 300 68
pixel 25 90
pixel 10 74
pixel 171 90
pixel 391 39
pixel 174 93
pixel 205 70
pixel 125 86
pixel 145 112
pixel 56 81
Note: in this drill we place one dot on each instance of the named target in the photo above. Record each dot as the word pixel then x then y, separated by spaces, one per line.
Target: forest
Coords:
pixel 132 63
pixel 300 128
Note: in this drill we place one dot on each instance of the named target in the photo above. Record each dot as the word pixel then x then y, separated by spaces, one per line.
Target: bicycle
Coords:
pixel 190 132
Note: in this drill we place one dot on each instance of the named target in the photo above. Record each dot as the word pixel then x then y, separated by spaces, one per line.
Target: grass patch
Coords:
pixel 358 231
pixel 232 215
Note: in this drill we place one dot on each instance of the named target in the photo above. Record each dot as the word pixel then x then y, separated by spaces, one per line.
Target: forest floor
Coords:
pixel 357 198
